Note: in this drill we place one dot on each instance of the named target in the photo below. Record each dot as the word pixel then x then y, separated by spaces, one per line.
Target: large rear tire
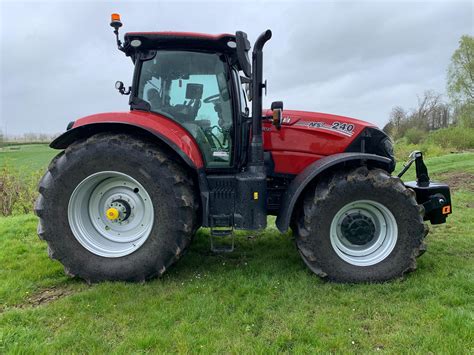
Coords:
pixel 361 226
pixel 150 198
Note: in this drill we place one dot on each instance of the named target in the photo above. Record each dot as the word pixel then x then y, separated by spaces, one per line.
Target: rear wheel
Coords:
pixel 360 226
pixel 114 207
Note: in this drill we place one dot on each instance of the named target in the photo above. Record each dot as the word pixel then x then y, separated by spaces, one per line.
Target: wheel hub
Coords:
pixel 112 214
pixel 120 210
pixel 358 229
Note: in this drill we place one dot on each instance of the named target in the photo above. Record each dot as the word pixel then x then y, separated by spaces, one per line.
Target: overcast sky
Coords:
pixel 59 61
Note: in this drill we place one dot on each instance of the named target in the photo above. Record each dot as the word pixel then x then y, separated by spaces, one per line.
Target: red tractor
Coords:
pixel 128 191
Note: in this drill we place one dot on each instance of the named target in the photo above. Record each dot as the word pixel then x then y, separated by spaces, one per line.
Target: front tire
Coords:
pixel 150 198
pixel 361 226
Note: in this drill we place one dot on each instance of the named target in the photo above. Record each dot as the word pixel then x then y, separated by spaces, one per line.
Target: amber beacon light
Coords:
pixel 116 24
pixel 115 21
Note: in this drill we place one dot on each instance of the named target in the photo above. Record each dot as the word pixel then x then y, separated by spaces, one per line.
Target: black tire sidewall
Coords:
pixel 157 251
pixel 408 223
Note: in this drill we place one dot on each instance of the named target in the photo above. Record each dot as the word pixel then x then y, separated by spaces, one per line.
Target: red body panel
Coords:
pixel 155 123
pixel 305 137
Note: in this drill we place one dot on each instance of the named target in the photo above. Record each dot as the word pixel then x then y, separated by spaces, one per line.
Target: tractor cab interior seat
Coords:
pixel 188 110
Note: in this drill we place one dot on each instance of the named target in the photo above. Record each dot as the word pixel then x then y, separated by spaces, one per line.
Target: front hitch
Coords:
pixel 434 196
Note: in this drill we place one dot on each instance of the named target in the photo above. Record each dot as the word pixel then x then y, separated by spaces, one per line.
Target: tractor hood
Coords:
pixel 339 126
pixel 305 137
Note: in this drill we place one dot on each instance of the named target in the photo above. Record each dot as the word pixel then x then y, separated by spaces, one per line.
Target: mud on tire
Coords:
pixel 330 195
pixel 175 206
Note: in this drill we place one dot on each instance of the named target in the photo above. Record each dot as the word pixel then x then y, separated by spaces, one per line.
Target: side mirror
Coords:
pixel 121 88
pixel 277 108
pixel 243 47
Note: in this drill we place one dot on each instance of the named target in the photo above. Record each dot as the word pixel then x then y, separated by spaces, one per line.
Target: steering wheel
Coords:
pixel 212 99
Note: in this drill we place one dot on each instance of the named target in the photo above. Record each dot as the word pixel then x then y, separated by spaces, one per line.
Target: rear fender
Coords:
pixel 309 174
pixel 157 127
pixel 143 124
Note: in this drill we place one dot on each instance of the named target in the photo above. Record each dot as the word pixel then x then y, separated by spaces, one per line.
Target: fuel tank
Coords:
pixel 305 137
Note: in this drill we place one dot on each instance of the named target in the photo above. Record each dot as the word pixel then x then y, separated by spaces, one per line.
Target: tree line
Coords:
pixel 26 138
pixel 433 112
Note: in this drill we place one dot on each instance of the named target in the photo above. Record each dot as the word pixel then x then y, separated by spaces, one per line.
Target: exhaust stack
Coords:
pixel 256 145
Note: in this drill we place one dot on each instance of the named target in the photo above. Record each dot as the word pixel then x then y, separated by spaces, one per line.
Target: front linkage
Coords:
pixel 434 196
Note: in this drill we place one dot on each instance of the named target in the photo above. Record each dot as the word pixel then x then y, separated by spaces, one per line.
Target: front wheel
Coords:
pixel 114 207
pixel 360 226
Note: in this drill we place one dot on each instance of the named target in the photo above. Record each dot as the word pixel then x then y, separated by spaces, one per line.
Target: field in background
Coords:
pixel 26 158
pixel 260 298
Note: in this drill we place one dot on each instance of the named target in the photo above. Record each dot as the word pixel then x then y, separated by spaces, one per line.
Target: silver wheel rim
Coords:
pixel 87 214
pixel 378 235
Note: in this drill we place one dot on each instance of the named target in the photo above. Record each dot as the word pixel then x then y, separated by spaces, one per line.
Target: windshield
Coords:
pixel 191 88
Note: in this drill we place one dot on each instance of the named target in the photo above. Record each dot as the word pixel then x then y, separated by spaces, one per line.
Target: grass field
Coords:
pixel 258 299
pixel 26 158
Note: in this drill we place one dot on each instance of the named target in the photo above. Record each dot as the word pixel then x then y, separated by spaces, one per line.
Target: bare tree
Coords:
pixel 431 113
pixel 428 104
pixel 398 117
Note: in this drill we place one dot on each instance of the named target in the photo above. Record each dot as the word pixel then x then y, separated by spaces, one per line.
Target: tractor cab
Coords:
pixel 193 79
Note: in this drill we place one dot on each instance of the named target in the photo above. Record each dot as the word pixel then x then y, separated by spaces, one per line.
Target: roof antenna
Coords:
pixel 116 24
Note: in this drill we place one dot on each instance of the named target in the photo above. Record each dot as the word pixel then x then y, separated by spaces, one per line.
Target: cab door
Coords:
pixel 192 89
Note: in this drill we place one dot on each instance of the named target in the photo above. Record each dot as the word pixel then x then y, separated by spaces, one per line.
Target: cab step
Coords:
pixel 222 240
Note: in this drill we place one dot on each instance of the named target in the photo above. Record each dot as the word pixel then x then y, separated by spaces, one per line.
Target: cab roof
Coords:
pixel 224 43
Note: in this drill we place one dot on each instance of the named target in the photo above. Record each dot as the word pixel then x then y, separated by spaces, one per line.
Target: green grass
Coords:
pixel 259 299
pixel 27 158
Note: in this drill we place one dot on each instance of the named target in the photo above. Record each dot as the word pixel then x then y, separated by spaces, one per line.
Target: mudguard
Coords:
pixel 140 122
pixel 298 185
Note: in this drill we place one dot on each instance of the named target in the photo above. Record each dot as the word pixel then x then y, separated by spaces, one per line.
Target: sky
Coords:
pixel 59 60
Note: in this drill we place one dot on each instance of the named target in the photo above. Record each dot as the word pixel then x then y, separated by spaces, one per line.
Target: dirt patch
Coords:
pixel 42 297
pixel 47 295
pixel 458 180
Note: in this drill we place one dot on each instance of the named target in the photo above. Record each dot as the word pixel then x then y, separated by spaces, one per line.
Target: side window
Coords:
pixel 153 92
pixel 192 89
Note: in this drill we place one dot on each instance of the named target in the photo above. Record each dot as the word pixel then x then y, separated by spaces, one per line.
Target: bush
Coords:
pixel 415 135
pixel 17 193
pixel 454 137
pixel 403 150
pixel 440 142
pixel 466 115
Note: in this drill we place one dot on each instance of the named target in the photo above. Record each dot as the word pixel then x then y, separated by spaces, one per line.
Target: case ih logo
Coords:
pixel 344 128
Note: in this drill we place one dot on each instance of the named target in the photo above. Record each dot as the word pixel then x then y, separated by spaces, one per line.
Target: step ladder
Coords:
pixel 222 234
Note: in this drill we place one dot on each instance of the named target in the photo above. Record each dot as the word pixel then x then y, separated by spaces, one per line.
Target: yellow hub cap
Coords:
pixel 112 214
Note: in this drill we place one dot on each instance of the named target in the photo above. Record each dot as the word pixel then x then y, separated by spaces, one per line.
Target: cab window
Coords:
pixel 192 89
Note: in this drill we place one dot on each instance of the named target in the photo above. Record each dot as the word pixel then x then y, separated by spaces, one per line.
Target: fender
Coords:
pixel 298 185
pixel 154 125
